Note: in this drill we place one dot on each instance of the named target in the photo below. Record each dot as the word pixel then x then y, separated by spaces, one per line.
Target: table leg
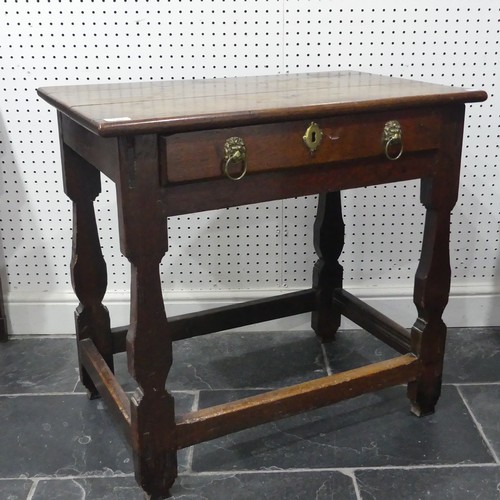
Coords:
pixel 143 234
pixel 432 283
pixel 328 273
pixel 88 268
pixel 433 276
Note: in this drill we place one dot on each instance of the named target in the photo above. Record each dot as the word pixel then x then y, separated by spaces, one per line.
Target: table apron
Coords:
pixel 222 193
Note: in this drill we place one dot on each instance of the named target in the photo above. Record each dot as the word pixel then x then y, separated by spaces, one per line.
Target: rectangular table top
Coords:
pixel 174 105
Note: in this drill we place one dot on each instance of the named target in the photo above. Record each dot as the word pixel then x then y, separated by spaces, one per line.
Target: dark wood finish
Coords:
pixel 143 239
pixel 217 319
pixel 345 137
pixel 432 280
pixel 327 273
pixel 219 420
pixel 102 153
pixel 373 321
pixel 223 318
pixel 161 143
pixel 163 107
pixel 309 180
pixel 88 268
pixel 106 383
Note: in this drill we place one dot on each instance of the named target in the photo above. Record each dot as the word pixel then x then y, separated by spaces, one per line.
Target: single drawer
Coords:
pixel 192 156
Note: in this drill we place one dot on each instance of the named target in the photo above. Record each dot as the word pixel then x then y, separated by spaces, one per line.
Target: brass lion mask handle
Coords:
pixel 235 153
pixel 392 139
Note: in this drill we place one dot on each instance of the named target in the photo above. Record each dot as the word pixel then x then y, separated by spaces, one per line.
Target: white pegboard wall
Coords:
pixel 255 248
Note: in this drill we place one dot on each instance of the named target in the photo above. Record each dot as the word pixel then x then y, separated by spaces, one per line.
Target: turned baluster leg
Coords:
pixel 143 233
pixel 88 268
pixel 328 273
pixel 432 280
pixel 431 295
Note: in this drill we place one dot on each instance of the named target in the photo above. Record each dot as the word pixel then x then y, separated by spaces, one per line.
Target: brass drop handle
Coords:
pixel 392 139
pixel 235 152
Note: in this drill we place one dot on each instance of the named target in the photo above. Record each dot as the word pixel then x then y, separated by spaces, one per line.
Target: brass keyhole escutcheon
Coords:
pixel 313 137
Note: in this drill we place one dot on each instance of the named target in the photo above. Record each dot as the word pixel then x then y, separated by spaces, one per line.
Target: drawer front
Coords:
pixel 191 156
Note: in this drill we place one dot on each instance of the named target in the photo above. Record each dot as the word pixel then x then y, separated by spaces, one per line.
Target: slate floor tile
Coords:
pixel 234 360
pixel 372 430
pixel 276 485
pixel 37 365
pixel 76 451
pixel 15 489
pixel 484 402
pixel 109 488
pixel 472 355
pixel 64 435
pixel 356 348
pixel 248 360
pixel 461 483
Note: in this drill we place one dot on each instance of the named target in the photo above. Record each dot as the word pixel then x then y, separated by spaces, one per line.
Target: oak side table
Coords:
pixel 178 147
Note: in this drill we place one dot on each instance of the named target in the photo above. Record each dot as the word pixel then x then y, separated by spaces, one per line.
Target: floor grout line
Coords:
pixel 32 490
pixel 194 392
pixel 76 385
pixel 479 427
pixel 82 393
pixel 190 454
pixel 40 477
pixel 352 474
pixel 357 491
pixel 328 367
pixel 179 391
pixel 469 384
pixel 344 470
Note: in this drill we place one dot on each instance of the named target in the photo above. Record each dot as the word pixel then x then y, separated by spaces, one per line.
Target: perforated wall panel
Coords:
pixel 258 247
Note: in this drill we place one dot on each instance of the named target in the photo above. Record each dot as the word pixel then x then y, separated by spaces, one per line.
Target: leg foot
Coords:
pixel 423 410
pixel 428 341
pixel 154 445
pixel 424 395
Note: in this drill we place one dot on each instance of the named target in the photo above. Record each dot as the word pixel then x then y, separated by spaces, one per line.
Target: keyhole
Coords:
pixel 312 137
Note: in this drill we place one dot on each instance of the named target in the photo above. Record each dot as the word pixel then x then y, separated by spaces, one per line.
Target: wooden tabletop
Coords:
pixel 175 105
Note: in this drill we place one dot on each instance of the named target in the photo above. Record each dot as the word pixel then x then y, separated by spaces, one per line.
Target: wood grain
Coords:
pixel 106 383
pixel 198 155
pixel 219 420
pixel 166 106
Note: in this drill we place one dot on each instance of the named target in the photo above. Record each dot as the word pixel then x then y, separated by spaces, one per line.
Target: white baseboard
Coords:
pixel 29 313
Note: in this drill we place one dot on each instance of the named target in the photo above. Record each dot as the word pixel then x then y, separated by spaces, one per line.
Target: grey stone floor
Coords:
pixel 57 445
